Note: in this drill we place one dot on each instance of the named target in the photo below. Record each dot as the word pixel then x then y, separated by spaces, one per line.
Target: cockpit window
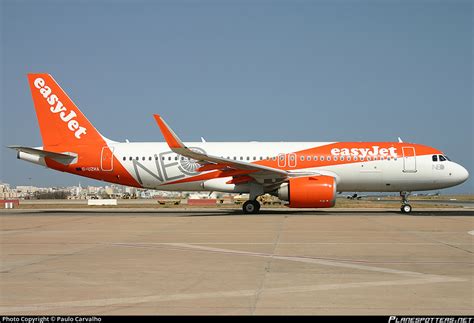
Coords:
pixel 447 158
pixel 435 158
pixel 441 158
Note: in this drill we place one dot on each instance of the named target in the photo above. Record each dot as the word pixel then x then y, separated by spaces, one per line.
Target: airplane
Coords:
pixel 304 174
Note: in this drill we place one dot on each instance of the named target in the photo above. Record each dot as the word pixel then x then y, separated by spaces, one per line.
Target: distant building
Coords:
pixel 6 193
pixel 131 190
pixel 95 192
pixel 27 189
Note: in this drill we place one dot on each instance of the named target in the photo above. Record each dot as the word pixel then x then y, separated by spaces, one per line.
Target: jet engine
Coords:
pixel 309 192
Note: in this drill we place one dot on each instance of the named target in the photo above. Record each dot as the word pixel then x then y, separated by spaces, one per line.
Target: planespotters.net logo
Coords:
pixel 447 319
pixel 58 107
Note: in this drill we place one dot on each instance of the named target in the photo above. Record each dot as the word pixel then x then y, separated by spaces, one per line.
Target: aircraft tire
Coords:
pixel 251 207
pixel 406 208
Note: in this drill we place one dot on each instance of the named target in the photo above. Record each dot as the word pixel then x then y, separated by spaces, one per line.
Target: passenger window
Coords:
pixel 248 158
pixel 130 158
pixel 124 158
pixel 441 158
pixel 315 158
pixel 308 158
pixel 149 158
pixel 342 158
pixel 348 158
pixel 241 158
pixel 335 158
pixel 292 158
pixel 328 158
pixel 169 158
pixel 302 158
pixel 368 158
pixel 137 158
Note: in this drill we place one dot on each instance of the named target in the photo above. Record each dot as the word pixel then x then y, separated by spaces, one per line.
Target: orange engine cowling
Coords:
pixel 309 192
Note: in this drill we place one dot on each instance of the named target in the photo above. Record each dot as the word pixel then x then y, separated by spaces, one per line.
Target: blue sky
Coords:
pixel 243 70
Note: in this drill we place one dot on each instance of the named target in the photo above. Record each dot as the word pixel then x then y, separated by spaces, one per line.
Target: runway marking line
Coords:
pixel 412 278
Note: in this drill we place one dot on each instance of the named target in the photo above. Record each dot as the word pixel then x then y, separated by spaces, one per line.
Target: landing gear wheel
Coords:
pixel 406 208
pixel 258 206
pixel 251 207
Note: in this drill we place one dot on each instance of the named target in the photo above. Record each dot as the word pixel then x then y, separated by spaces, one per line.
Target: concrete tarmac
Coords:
pixel 211 261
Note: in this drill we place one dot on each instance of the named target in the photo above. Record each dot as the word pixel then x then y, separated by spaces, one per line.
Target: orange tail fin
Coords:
pixel 61 122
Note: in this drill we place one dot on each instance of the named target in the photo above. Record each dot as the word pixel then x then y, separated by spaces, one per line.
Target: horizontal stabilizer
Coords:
pixel 65 158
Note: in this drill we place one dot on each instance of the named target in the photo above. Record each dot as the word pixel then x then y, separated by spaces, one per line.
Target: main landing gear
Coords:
pixel 405 208
pixel 251 207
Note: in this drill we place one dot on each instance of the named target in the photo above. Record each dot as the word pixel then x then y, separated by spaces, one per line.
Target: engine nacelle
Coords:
pixel 309 192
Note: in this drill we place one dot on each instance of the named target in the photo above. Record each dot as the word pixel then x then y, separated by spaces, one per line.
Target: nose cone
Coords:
pixel 461 174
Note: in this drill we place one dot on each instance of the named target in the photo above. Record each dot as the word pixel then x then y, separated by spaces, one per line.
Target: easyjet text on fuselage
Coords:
pixel 365 152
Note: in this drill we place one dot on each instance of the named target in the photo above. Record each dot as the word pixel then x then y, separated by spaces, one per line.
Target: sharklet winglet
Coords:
pixel 171 138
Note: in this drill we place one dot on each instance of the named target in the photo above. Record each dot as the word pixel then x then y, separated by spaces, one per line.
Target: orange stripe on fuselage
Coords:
pixel 326 151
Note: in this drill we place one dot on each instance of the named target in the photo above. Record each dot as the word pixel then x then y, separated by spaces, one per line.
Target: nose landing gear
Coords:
pixel 405 208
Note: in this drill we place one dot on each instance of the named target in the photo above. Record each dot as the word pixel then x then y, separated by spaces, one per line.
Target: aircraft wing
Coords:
pixel 214 162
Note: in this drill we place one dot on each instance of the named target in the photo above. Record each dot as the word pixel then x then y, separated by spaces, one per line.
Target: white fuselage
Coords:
pixel 155 166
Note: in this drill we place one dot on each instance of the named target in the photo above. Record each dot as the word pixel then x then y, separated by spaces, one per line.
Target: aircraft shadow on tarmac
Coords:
pixel 238 212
